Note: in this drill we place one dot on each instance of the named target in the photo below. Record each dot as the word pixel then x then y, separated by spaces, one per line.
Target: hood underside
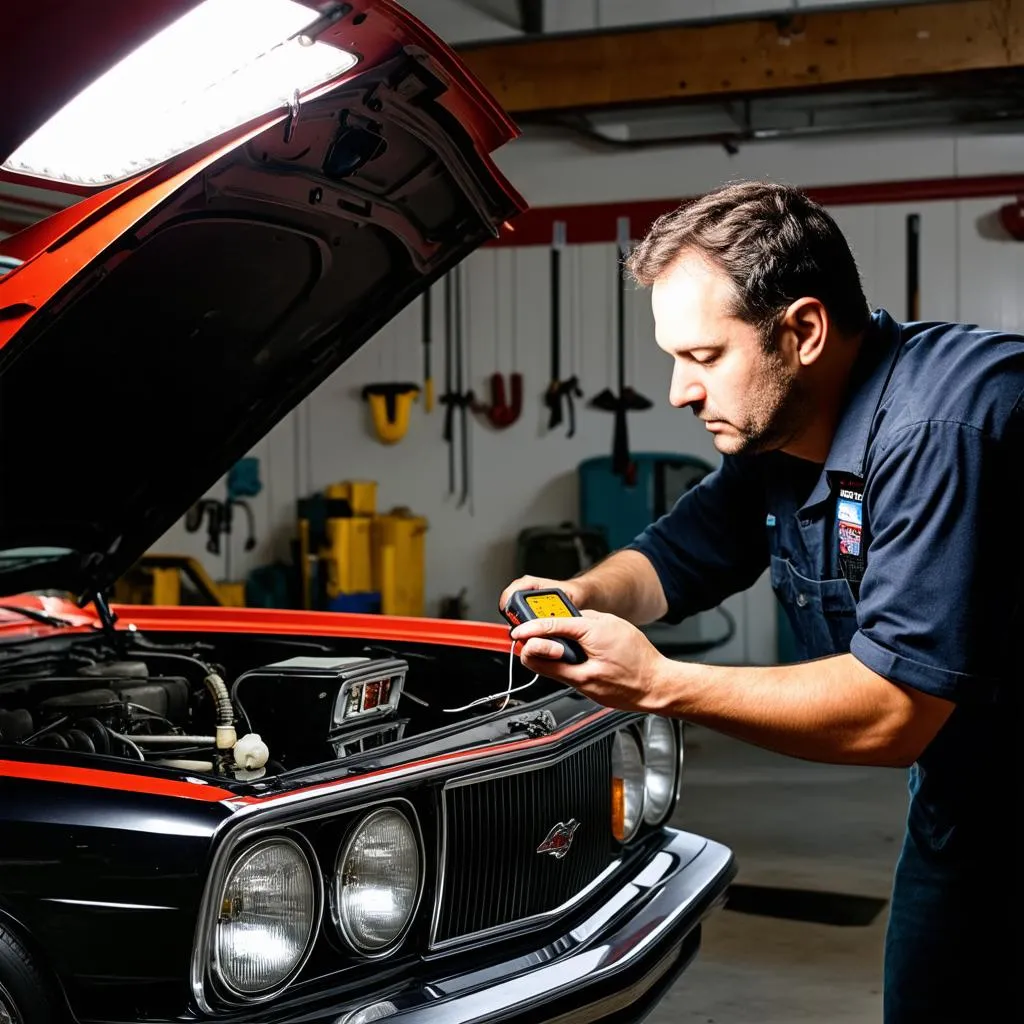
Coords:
pixel 158 363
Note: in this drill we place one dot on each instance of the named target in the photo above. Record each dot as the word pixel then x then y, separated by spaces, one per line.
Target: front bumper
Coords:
pixel 614 965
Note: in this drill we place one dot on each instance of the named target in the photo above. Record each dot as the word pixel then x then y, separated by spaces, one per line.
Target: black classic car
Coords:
pixel 219 814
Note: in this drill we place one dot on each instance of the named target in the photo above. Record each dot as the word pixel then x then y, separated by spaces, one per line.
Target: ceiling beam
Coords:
pixel 806 51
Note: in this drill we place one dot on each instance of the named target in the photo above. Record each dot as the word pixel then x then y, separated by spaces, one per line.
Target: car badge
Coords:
pixel 559 839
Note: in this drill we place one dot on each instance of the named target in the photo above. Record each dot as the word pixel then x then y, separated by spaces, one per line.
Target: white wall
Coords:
pixel 524 475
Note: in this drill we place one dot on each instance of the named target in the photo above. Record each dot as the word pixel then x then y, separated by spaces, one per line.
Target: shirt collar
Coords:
pixel 871 372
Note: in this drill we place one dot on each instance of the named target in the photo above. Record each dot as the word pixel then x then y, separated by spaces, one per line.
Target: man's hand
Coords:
pixel 622 665
pixel 573 589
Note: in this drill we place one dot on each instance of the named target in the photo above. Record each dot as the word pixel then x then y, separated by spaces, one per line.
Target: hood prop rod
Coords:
pixel 108 620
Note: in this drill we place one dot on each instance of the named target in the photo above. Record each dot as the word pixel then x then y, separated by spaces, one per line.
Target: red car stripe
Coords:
pixel 112 780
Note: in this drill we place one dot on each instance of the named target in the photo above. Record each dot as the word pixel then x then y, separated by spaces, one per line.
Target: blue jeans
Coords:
pixel 954 925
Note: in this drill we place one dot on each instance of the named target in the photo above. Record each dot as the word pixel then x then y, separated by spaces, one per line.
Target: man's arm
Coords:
pixel 834 710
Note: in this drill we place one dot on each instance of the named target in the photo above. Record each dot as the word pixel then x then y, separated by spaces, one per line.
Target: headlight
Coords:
pixel 627 786
pixel 661 761
pixel 267 916
pixel 377 882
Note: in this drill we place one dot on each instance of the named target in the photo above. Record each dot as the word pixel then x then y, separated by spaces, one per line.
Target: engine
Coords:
pixel 272 718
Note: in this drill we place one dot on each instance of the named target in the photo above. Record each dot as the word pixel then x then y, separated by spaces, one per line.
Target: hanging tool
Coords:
pixel 913 266
pixel 448 399
pixel 501 412
pixel 466 398
pixel 428 377
pixel 627 400
pixel 559 390
pixel 455 398
pixel 390 405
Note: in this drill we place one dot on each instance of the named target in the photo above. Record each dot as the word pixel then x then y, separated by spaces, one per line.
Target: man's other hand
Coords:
pixel 571 588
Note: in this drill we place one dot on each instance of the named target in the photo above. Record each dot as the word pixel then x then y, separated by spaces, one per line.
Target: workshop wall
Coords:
pixel 524 475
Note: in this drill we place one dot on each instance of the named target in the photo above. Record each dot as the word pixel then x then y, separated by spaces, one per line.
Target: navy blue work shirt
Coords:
pixel 904 549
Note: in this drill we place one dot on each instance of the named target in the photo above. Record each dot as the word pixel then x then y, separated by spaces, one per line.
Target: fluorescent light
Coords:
pixel 218 66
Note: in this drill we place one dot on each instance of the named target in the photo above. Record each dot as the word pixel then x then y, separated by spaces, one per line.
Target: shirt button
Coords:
pixel 801 600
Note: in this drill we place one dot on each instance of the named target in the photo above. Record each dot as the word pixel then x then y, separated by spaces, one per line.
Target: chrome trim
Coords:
pixel 238 830
pixel 522 923
pixel 316 879
pixel 335 897
pixel 673 768
pixel 101 903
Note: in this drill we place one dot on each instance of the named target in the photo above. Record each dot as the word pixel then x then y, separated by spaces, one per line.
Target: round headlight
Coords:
pixel 661 760
pixel 377 883
pixel 266 919
pixel 627 786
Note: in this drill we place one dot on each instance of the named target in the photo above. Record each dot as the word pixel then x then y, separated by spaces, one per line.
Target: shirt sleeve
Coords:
pixel 712 543
pixel 940 588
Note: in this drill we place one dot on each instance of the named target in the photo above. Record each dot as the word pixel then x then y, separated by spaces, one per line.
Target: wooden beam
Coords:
pixel 807 51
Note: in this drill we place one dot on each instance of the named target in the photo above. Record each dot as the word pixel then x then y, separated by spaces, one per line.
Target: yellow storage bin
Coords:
pixel 348 555
pixel 399 556
pixel 360 494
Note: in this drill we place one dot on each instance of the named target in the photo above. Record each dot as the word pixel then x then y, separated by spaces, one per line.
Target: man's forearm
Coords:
pixel 834 710
pixel 624 584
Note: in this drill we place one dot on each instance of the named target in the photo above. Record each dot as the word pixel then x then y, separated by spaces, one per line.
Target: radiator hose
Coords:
pixel 226 735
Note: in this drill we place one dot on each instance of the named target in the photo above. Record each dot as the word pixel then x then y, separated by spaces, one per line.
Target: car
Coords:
pixel 263 815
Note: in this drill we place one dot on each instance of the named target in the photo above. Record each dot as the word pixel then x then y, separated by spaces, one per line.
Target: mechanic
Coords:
pixel 875 468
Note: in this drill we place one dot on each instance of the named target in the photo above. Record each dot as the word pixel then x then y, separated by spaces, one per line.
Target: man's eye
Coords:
pixel 704 358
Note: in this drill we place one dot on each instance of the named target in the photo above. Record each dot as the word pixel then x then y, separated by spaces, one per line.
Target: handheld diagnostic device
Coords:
pixel 546 604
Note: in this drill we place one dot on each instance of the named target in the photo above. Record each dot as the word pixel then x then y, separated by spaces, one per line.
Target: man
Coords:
pixel 875 469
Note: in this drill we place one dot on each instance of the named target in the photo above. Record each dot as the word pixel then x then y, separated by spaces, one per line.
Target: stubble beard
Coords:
pixel 775 413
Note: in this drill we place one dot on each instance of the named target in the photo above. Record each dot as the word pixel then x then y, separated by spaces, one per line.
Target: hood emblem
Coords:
pixel 559 839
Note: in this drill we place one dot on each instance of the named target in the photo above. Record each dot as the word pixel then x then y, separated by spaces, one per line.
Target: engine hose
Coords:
pixel 226 735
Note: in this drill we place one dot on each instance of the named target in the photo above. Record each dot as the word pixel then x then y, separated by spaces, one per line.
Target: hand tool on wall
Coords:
pixel 627 400
pixel 465 398
pixel 559 391
pixel 449 396
pixel 390 405
pixel 913 266
pixel 501 412
pixel 428 376
pixel 454 398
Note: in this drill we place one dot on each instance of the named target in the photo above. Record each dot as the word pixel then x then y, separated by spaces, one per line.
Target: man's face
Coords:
pixel 749 399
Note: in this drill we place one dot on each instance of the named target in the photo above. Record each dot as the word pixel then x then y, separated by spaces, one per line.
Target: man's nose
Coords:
pixel 685 389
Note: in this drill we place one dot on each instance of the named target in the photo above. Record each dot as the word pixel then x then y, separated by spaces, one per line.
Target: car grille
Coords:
pixel 493 874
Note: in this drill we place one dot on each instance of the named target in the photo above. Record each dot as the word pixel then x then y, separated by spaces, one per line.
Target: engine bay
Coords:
pixel 245 707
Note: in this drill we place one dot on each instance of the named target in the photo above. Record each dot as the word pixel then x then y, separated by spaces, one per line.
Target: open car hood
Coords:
pixel 152 333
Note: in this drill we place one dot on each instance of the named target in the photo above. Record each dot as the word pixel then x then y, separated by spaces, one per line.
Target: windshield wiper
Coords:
pixel 36 615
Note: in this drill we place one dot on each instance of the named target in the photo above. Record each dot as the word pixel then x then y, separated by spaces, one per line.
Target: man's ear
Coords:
pixel 803 330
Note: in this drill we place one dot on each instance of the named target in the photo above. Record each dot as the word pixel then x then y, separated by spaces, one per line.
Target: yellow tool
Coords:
pixel 390 405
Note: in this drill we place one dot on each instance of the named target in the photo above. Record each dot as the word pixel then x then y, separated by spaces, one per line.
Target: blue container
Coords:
pixel 607 502
pixel 364 603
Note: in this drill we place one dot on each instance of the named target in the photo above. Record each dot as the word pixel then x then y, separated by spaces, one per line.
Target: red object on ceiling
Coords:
pixel 1012 217
pixel 596 222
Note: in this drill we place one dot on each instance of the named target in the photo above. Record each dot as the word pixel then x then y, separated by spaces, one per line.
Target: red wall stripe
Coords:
pixel 596 222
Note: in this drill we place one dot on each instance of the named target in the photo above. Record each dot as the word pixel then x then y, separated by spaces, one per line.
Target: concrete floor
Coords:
pixel 797 825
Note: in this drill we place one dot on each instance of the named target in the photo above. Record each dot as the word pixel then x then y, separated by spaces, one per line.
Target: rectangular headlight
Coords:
pixel 215 68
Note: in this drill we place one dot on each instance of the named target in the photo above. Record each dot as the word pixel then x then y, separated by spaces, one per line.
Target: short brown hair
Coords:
pixel 774 243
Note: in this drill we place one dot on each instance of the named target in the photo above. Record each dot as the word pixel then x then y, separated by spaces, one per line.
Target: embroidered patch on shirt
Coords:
pixel 850 529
